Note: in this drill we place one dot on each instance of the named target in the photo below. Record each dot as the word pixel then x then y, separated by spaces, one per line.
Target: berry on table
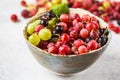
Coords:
pixel 25 13
pixel 33 12
pixel 14 18
pixel 111 26
pixel 87 4
pixel 77 4
pixel 117 30
pixel 23 3
pixel 55 1
pixel 106 4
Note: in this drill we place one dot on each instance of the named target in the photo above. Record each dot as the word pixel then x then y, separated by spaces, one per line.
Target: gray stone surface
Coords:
pixel 17 63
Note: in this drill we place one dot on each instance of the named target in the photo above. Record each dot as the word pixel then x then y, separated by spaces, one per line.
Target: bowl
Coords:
pixel 68 64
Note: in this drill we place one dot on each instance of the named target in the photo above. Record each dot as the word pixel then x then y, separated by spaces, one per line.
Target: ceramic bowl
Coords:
pixel 68 64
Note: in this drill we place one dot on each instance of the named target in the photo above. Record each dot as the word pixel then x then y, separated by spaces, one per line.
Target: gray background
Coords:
pixel 17 63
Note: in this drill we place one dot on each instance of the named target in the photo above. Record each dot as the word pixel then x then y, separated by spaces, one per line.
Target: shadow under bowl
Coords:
pixel 68 64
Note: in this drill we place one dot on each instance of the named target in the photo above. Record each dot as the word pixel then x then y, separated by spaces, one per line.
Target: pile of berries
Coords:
pixel 107 10
pixel 67 34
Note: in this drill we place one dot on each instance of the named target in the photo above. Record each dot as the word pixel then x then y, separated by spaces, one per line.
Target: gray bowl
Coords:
pixel 68 64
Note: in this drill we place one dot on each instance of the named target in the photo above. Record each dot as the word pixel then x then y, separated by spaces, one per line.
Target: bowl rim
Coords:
pixel 73 55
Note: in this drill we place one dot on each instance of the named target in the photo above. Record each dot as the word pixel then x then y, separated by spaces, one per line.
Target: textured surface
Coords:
pixel 17 63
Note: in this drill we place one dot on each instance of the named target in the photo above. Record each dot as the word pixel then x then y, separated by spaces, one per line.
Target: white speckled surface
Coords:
pixel 17 63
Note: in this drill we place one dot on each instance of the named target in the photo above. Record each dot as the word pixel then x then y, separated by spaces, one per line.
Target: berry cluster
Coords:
pixel 67 34
pixel 114 28
pixel 107 10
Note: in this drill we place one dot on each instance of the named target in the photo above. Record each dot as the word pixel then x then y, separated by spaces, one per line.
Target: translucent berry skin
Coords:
pixel 117 30
pixel 65 38
pixel 38 28
pixel 92 45
pixel 84 33
pixel 64 18
pixel 45 34
pixel 37 22
pixel 50 44
pixel 78 43
pixel 14 18
pixel 64 25
pixel 111 26
pixel 25 13
pixel 78 26
pixel 53 50
pixel 73 34
pixel 58 44
pixel 94 34
pixel 77 4
pixel 87 4
pixel 33 12
pixel 82 49
pixel 31 28
pixel 34 39
pixel 96 25
pixel 74 22
pixel 64 50
pixel 23 3
pixel 90 26
pixel 86 18
pixel 76 17
pixel 43 44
